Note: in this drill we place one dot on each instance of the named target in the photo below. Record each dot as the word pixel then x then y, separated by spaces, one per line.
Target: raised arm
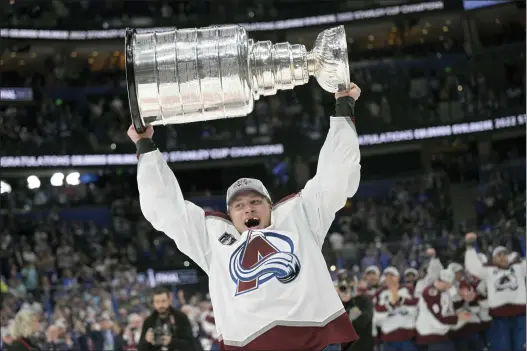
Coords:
pixel 473 264
pixel 434 267
pixel 163 205
pixel 338 169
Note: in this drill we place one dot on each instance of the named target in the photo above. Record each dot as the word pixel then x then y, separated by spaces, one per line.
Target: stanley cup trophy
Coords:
pixel 190 75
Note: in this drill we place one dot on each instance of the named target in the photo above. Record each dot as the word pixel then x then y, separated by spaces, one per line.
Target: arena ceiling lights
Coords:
pixel 342 17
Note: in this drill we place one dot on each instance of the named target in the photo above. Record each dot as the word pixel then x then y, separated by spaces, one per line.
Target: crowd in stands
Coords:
pixel 84 112
pixel 83 277
pixel 120 14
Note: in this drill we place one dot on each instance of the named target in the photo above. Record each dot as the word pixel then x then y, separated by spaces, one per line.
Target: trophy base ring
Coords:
pixel 137 121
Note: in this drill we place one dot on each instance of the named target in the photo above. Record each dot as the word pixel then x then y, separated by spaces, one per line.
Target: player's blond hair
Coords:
pixel 23 326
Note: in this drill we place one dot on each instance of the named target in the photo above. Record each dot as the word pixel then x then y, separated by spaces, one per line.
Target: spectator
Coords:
pixel 24 330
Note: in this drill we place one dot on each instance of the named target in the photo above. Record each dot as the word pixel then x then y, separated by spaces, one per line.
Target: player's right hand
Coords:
pixel 471 237
pixel 135 137
pixel 464 315
pixel 431 252
pixel 149 337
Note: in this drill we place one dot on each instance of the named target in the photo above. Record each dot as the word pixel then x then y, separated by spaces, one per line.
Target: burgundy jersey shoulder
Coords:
pixel 431 293
pixel 285 199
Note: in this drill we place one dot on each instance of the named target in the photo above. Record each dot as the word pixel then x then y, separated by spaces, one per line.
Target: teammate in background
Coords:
pixel 433 268
pixel 262 258
pixel 506 295
pixel 484 315
pixel 437 315
pixel 465 334
pixel 371 283
pixel 395 313
pixel 411 275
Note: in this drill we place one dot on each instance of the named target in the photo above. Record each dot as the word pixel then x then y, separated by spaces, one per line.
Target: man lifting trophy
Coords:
pixel 190 75
pixel 268 280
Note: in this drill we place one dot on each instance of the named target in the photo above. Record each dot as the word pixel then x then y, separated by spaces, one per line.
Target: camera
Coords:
pixel 343 286
pixel 342 278
pixel 159 332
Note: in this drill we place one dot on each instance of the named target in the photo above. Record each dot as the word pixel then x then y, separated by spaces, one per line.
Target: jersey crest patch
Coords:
pixel 506 280
pixel 262 257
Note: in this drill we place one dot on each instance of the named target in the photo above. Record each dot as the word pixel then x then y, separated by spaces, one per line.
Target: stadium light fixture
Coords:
pixel 4 187
pixel 33 182
pixel 73 178
pixel 57 179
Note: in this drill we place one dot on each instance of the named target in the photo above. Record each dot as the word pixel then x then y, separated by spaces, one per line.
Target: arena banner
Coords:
pixel 259 150
pixel 16 94
pixel 341 17
pixel 179 277
pixel 88 160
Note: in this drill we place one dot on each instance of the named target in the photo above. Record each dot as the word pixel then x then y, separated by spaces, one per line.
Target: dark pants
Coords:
pixel 441 346
pixel 471 342
pixel 333 347
pixel 507 334
pixel 407 345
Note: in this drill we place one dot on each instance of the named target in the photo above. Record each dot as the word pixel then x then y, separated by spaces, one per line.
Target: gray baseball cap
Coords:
pixel 246 184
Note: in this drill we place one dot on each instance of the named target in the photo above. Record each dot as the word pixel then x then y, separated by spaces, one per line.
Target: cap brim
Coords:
pixel 245 190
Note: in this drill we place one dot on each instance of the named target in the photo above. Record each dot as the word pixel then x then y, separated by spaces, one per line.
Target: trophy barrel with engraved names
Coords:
pixel 189 75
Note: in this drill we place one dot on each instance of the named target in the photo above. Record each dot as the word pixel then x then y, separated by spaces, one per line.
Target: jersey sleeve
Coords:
pixel 411 300
pixel 473 264
pixel 337 176
pixel 163 205
pixel 432 274
pixel 380 311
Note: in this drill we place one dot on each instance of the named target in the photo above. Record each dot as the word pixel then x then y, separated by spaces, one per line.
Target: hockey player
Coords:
pixel 432 272
pixel 395 313
pixel 436 315
pixel 506 295
pixel 268 281
pixel 372 277
pixel 411 276
pixel 465 334
pixel 484 315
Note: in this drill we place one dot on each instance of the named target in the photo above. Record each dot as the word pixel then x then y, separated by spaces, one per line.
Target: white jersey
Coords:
pixel 505 287
pixel 396 321
pixel 432 274
pixel 472 325
pixel 484 313
pixel 436 316
pixel 264 284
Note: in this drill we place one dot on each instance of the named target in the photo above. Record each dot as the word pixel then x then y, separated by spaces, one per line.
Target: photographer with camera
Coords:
pixel 360 312
pixel 166 329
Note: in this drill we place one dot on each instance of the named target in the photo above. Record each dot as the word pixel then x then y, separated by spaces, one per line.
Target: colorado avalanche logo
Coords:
pixel 262 257
pixel 508 281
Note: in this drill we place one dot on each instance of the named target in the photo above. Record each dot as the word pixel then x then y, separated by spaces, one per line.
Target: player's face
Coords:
pixel 501 260
pixel 372 278
pixel 391 280
pixel 442 286
pixel 250 210
pixel 162 303
pixel 410 278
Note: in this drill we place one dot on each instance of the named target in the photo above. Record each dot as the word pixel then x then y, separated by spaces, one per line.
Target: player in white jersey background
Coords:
pixel 506 292
pixel 262 258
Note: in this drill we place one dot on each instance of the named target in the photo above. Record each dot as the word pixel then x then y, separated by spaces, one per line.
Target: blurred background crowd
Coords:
pixel 81 256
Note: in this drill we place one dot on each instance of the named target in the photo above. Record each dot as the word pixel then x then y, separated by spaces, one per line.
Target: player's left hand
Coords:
pixel 167 339
pixel 354 92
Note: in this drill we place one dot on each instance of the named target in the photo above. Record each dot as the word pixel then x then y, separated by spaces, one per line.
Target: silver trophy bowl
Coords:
pixel 191 75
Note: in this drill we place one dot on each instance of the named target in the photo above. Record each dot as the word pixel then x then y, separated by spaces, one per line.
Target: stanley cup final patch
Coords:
pixel 227 239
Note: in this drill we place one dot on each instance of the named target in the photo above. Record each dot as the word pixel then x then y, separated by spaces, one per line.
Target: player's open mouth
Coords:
pixel 252 223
